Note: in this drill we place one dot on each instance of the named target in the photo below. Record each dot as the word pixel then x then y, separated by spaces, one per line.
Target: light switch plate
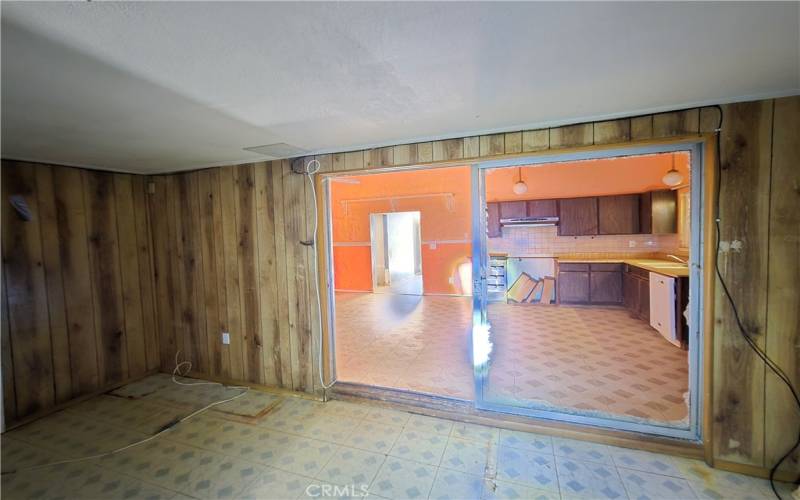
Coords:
pixel 226 338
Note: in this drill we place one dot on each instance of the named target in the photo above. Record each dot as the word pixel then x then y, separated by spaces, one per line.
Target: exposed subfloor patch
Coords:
pixel 338 449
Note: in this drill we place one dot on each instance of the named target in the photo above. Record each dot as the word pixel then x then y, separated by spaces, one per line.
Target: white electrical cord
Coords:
pixel 177 371
pixel 309 173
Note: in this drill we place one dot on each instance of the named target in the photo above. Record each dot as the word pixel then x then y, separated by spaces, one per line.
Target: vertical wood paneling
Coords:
pixel 51 258
pixel 248 276
pixel 129 273
pixel 213 272
pixel 9 391
pixel 641 127
pixel 676 123
pixel 145 262
pixel 26 291
pixel 277 169
pixel 450 149
pixel 570 136
pixel 231 258
pixel 297 284
pixel 535 140
pixel 783 295
pixel 160 210
pixel 492 145
pixel 267 280
pixel 109 314
pixel 513 142
pixel 472 147
pixel 74 252
pixel 609 132
pixel 744 209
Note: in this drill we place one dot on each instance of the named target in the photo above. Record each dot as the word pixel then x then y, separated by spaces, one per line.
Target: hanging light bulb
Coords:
pixel 520 187
pixel 672 177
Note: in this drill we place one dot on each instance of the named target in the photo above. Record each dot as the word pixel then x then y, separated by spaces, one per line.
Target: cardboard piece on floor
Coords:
pixel 521 289
pixel 536 294
pixel 547 291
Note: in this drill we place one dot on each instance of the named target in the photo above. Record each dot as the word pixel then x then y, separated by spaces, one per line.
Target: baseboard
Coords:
pixel 74 401
pixel 754 470
pixel 278 391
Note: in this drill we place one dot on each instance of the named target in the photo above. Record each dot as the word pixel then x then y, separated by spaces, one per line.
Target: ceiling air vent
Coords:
pixel 278 150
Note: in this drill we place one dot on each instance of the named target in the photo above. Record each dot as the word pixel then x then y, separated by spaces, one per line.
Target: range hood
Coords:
pixel 529 221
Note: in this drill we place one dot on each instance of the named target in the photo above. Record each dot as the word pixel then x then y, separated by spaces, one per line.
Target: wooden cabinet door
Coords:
pixel 542 208
pixel 573 287
pixel 618 214
pixel 493 220
pixel 644 299
pixel 630 293
pixel 605 287
pixel 512 209
pixel 577 216
pixel 645 213
pixel 665 211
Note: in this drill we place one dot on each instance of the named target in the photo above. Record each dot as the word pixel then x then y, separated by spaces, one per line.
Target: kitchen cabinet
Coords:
pixel 658 212
pixel 589 283
pixel 605 285
pixel 636 292
pixel 573 287
pixel 542 208
pixel 618 214
pixel 513 209
pixel 493 228
pixel 577 216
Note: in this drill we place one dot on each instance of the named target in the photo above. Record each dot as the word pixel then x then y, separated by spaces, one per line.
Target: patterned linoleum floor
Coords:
pixel 419 343
pixel 596 359
pixel 591 359
pixel 337 449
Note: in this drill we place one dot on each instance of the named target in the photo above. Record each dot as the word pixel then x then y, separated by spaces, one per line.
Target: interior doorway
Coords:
pixel 396 253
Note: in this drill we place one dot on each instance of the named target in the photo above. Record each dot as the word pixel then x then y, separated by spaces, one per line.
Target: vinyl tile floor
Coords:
pixel 305 448
pixel 592 360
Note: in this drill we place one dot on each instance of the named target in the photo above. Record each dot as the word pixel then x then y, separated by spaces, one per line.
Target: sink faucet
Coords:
pixel 675 257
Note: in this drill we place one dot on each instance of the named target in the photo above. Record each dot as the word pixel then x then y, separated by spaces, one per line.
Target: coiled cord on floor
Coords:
pixel 178 371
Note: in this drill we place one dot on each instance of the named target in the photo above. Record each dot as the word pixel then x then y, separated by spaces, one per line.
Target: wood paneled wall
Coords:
pixel 78 303
pixel 755 418
pixel 228 258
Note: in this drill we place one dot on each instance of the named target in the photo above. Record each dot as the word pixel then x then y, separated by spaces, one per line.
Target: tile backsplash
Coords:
pixel 545 241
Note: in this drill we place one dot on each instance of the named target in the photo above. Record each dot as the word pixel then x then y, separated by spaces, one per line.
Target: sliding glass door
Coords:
pixel 553 336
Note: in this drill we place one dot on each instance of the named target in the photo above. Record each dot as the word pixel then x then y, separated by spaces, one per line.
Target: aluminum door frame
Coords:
pixel 481 340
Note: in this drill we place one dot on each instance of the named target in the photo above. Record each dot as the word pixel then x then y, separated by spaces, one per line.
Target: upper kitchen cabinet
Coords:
pixel 512 209
pixel 542 208
pixel 619 214
pixel 659 212
pixel 577 217
pixel 493 227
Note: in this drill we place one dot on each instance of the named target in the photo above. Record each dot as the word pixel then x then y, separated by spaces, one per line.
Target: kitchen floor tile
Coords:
pixel 403 479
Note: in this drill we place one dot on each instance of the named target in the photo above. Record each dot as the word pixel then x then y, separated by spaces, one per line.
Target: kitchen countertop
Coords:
pixel 660 266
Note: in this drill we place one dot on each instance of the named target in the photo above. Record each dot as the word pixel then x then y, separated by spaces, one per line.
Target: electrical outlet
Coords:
pixel 451 280
pixel 226 338
pixel 631 243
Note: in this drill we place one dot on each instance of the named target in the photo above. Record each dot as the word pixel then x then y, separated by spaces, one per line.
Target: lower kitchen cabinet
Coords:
pixel 636 292
pixel 573 287
pixel 605 287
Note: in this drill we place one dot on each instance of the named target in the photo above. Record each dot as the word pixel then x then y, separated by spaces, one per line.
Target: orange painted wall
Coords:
pixel 445 224
pixel 633 174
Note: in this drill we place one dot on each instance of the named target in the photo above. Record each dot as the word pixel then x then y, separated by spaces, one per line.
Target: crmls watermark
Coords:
pixel 332 490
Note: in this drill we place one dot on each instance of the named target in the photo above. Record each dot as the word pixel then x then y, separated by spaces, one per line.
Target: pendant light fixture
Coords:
pixel 520 187
pixel 672 177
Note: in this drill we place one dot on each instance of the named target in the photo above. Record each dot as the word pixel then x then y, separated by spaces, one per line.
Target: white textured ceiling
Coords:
pixel 156 87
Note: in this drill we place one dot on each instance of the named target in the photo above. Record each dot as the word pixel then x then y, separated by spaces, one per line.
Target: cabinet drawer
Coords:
pixel 607 267
pixel 573 266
